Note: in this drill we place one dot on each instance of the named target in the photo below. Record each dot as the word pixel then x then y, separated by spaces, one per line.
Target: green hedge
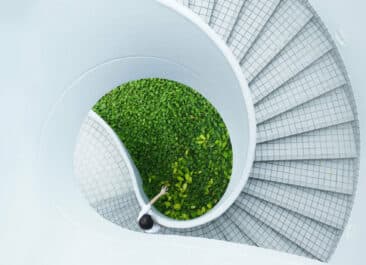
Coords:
pixel 175 137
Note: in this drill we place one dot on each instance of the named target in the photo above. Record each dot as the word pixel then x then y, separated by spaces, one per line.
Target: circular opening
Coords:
pixel 176 138
pixel 192 55
pixel 227 92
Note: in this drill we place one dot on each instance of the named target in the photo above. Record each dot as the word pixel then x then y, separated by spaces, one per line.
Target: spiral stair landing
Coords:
pixel 301 188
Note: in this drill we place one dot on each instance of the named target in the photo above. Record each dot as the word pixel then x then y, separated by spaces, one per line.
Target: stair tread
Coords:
pixel 210 230
pixel 203 8
pixel 224 16
pixel 307 47
pixel 249 26
pixel 262 235
pixel 328 175
pixel 184 2
pixel 322 77
pixel 326 207
pixel 316 238
pixel 232 232
pixel 330 109
pixel 288 20
pixel 329 143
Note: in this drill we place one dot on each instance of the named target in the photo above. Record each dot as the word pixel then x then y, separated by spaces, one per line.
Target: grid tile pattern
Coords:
pixel 323 76
pixel 184 2
pixel 99 168
pixel 103 175
pixel 211 231
pixel 122 210
pixel 327 175
pixel 329 143
pixel 252 18
pixel 326 207
pixel 263 235
pixel 233 232
pixel 330 109
pixel 308 46
pixel 312 236
pixel 224 16
pixel 203 8
pixel 286 22
pixel 220 229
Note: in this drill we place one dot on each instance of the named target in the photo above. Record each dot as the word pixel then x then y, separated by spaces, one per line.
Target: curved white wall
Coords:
pixel 32 58
pixel 66 66
pixel 130 49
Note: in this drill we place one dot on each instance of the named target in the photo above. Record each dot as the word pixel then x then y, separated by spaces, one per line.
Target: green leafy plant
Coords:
pixel 176 138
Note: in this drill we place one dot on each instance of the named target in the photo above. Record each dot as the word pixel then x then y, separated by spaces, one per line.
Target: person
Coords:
pixel 144 219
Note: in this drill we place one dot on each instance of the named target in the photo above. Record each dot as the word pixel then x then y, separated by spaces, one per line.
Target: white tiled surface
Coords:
pixel 184 2
pixel 329 143
pixel 328 175
pixel 330 109
pixel 288 20
pixel 307 47
pixel 224 16
pixel 251 21
pixel 321 77
pixel 203 8
pixel 312 236
pixel 233 232
pixel 212 230
pixel 263 235
pixel 326 207
pixel 99 167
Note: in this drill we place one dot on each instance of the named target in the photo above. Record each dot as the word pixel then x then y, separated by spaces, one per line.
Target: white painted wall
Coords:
pixel 28 236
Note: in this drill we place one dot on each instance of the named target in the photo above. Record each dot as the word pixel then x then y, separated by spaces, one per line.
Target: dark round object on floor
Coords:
pixel 146 222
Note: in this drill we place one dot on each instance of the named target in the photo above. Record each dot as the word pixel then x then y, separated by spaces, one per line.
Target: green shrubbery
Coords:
pixel 176 138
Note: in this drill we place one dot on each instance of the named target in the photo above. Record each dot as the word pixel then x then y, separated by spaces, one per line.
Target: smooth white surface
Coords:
pixel 34 228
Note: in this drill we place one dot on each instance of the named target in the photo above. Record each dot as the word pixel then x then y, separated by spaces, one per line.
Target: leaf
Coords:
pixel 177 206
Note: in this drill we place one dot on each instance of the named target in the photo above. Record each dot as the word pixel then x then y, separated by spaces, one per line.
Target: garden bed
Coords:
pixel 176 138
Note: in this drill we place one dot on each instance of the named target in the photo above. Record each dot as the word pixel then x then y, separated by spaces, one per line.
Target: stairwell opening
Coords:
pixel 111 182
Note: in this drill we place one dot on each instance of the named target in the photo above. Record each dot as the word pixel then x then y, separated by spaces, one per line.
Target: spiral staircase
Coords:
pixel 302 185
